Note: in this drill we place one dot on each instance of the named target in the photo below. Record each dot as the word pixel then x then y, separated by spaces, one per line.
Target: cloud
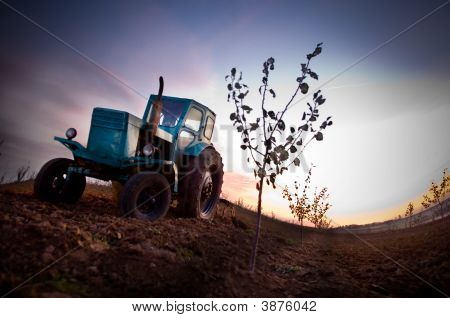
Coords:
pixel 41 97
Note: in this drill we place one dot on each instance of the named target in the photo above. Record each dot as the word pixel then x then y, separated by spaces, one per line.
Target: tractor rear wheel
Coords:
pixel 146 196
pixel 53 182
pixel 200 185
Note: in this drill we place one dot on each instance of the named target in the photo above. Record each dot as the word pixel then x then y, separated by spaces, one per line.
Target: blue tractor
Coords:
pixel 164 159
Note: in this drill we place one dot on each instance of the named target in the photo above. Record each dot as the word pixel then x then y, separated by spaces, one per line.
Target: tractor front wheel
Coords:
pixel 146 196
pixel 53 182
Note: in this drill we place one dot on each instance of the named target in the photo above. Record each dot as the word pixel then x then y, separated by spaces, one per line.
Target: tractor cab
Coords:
pixel 185 127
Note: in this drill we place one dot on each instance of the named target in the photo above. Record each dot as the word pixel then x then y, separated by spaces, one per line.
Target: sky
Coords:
pixel 390 112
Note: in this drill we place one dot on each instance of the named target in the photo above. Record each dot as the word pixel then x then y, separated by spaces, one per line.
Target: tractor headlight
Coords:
pixel 148 150
pixel 71 133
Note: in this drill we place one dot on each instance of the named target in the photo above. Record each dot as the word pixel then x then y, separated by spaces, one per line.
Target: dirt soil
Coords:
pixel 86 250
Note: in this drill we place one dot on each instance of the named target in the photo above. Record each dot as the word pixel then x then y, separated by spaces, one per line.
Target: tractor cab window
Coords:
pixel 185 139
pixel 171 113
pixel 193 119
pixel 209 128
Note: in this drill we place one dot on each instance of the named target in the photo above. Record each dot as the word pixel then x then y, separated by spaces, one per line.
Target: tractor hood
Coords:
pixel 114 134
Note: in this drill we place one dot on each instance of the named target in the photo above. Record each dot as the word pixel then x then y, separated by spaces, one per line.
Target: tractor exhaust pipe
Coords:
pixel 155 114
pixel 146 135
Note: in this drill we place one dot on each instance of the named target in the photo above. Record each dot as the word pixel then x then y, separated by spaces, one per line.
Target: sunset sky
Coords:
pixel 391 111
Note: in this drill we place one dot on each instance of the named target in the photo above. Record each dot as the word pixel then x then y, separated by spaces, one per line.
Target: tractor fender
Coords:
pixel 196 149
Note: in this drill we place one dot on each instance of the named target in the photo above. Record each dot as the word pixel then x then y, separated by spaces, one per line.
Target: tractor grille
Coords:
pixel 113 135
pixel 109 119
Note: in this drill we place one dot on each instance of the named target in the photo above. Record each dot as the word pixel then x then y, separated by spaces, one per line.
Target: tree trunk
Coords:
pixel 301 232
pixel 258 228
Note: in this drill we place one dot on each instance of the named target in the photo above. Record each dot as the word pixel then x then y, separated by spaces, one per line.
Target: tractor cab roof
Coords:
pixel 185 101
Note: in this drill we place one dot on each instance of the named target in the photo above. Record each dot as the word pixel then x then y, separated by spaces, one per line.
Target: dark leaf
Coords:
pixel 304 88
pixel 245 140
pixel 279 148
pixel 281 125
pixel 227 77
pixel 248 109
pixel 320 100
pixel 243 147
pixel 257 186
pixel 237 86
pixel 271 114
pixel 284 155
pixel 261 173
pixel 300 79
pixel 241 96
pixel 319 136
pixel 313 75
pixel 300 142
pixel 264 113
pixel 293 149
pixel 274 157
pixel 233 116
pixel 304 127
pixel 233 71
pixel 270 60
pixel 297 162
pixel 272 67
pixel 304 69
pixel 330 123
pixel 272 92
pixel 264 80
pixel 317 51
pixel 304 116
pixel 289 138
pixel 230 87
pixel 240 128
pixel 316 94
pixel 292 130
pixel 313 118
pixel 254 126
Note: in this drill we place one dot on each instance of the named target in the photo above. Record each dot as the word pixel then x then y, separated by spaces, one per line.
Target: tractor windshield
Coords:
pixel 171 113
